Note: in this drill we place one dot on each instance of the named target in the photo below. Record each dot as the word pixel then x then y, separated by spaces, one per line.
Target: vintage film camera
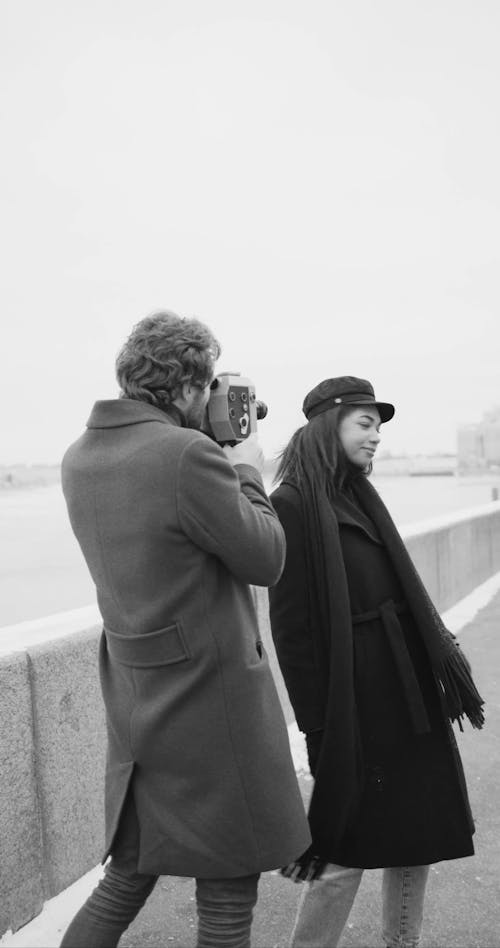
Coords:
pixel 233 410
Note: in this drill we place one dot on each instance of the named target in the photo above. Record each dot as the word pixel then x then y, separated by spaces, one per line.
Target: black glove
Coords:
pixel 306 869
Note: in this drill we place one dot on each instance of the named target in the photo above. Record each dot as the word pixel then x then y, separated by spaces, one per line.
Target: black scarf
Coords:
pixel 338 777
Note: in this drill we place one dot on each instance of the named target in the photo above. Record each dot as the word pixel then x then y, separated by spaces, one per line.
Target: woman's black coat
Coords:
pixel 413 808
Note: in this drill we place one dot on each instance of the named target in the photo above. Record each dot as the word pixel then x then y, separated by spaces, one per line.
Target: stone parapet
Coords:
pixel 456 553
pixel 21 854
pixel 70 735
pixel 52 753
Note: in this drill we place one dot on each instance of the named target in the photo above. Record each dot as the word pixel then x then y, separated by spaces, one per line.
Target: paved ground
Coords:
pixel 463 902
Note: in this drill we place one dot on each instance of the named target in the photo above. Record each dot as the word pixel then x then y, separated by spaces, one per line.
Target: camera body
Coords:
pixel 232 409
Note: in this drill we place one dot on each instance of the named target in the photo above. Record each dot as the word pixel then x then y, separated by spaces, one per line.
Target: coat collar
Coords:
pixel 120 412
pixel 348 512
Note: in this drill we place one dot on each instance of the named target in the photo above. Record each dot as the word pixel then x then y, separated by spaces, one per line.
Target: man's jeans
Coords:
pixel 325 906
pixel 224 905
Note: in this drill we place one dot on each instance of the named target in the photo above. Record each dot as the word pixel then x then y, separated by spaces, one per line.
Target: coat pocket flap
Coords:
pixel 150 649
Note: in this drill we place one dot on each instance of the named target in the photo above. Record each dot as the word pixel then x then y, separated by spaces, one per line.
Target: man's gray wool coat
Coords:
pixel 173 535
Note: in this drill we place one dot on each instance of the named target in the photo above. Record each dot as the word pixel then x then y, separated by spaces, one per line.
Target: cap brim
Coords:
pixel 385 409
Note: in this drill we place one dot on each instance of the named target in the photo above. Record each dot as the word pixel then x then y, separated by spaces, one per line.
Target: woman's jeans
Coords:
pixel 224 906
pixel 325 905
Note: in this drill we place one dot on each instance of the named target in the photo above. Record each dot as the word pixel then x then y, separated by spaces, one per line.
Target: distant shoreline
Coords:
pixel 25 476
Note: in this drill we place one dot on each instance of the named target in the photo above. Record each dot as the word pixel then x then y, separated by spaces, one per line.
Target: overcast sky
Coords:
pixel 318 181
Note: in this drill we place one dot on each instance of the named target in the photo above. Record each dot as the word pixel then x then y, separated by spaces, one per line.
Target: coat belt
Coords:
pixel 388 612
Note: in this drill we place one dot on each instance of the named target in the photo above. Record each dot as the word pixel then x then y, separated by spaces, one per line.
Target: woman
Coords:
pixel 373 676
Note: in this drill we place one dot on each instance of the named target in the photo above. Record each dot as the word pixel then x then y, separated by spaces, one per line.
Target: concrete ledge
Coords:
pixel 457 554
pixel 14 638
pixel 21 889
pixel 70 755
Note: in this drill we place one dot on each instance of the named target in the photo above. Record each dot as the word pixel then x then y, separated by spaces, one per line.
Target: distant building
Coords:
pixel 479 445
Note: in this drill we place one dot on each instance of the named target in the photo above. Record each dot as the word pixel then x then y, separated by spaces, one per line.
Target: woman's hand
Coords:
pixel 306 869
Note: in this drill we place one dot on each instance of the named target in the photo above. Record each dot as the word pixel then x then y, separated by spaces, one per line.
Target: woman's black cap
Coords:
pixel 344 390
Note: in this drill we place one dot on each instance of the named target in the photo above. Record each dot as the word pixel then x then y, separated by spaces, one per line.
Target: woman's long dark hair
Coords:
pixel 315 453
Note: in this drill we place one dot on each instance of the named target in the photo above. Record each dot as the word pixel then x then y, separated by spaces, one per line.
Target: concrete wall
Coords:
pixel 52 730
pixel 52 751
pixel 455 554
pixel 21 890
pixel 69 730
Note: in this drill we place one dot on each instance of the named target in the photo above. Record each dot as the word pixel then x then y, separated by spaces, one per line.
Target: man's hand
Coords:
pixel 246 452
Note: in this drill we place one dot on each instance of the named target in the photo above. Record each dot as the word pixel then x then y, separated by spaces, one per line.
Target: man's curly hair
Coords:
pixel 163 351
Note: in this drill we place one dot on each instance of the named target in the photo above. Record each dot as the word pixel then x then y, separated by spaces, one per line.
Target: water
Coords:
pixel 42 571
pixel 411 499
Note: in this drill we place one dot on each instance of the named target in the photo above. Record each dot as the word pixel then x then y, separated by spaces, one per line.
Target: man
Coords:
pixel 199 778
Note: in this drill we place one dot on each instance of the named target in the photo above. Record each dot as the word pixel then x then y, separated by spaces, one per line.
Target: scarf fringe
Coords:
pixel 460 694
pixel 451 668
